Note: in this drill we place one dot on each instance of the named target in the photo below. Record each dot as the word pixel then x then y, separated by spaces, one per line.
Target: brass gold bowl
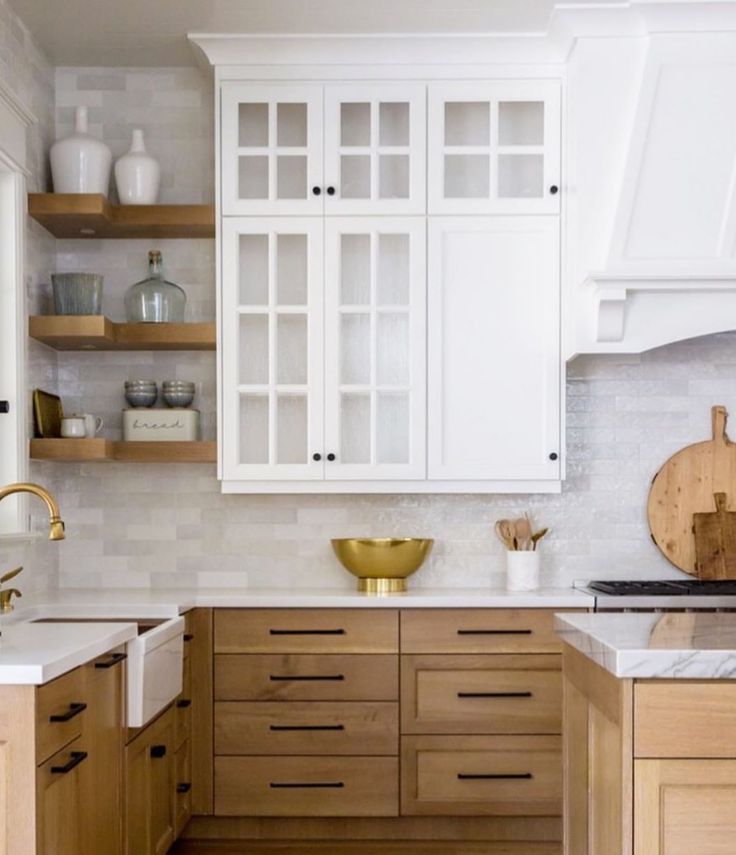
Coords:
pixel 382 564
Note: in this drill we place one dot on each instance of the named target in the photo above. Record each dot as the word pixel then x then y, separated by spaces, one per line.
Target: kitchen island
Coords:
pixel 649 747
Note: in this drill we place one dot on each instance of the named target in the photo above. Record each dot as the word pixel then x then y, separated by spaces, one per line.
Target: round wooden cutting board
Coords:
pixel 685 485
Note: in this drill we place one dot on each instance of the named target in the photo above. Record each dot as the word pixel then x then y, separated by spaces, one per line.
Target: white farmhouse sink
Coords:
pixel 155 663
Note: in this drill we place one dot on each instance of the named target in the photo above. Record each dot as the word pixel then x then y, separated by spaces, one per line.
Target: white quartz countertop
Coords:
pixel 34 653
pixel 675 645
pixel 168 602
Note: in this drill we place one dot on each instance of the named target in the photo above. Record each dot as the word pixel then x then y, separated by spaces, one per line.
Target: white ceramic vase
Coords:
pixel 137 174
pixel 522 570
pixel 80 163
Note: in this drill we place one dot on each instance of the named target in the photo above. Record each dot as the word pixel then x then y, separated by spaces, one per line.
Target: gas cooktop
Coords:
pixel 666 588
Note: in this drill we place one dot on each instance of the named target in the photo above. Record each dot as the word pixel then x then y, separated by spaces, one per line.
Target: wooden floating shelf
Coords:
pixel 96 332
pixel 98 449
pixel 91 215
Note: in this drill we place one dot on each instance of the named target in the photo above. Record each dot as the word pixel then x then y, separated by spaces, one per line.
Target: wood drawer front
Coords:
pixel 183 768
pixel 481 694
pixel 183 706
pixel 679 720
pixel 306 786
pixel 479 631
pixel 306 631
pixel 481 775
pixel 306 678
pixel 311 727
pixel 60 707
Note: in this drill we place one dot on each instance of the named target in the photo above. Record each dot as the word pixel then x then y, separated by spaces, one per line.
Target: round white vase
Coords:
pixel 137 174
pixel 80 163
pixel 522 570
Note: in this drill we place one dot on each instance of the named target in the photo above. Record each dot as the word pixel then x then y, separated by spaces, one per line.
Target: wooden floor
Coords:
pixel 289 847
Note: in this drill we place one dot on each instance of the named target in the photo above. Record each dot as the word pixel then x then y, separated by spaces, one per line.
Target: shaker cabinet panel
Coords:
pixel 375 340
pixel 271 154
pixel 493 348
pixel 375 149
pixel 272 319
pixel 494 148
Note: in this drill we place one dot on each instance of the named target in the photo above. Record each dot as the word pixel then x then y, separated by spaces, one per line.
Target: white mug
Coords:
pixel 73 427
pixel 92 424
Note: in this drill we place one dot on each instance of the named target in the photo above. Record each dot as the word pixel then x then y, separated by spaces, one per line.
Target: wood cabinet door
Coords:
pixel 494 147
pixel 271 349
pixel 375 148
pixel 494 348
pixel 61 811
pixel 271 149
pixel 102 773
pixel 375 348
pixel 682 807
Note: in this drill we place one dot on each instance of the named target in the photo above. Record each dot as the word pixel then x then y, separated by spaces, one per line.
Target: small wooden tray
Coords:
pixel 48 413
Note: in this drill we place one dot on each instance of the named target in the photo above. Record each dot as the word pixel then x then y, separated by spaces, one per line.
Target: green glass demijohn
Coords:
pixel 154 300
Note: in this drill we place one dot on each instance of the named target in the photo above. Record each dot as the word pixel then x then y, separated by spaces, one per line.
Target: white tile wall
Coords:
pixel 166 525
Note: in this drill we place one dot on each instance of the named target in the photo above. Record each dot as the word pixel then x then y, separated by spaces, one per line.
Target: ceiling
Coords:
pixel 153 32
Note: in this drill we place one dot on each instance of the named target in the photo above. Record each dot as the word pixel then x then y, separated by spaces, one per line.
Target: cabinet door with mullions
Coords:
pixel 375 148
pixel 272 318
pixel 271 149
pixel 494 147
pixel 375 340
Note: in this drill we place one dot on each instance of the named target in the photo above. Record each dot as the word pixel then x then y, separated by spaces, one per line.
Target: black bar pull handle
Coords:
pixel 188 636
pixel 307 785
pixel 183 703
pixel 183 787
pixel 306 678
pixel 283 728
pixel 114 659
pixel 522 776
pixel 158 751
pixel 306 632
pixel 494 695
pixel 72 712
pixel 494 632
pixel 76 757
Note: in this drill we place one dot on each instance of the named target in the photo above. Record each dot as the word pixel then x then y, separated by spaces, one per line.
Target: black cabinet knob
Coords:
pixel 330 456
pixel 317 191
pixel 158 751
pixel 554 189
pixel 317 457
pixel 553 456
pixel 4 406
pixel 331 191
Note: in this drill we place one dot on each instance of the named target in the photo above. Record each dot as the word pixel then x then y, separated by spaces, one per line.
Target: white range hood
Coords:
pixel 653 187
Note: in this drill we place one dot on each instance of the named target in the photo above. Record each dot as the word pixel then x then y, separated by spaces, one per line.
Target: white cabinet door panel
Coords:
pixel 271 149
pixel 375 348
pixel 494 369
pixel 271 348
pixel 494 148
pixel 375 149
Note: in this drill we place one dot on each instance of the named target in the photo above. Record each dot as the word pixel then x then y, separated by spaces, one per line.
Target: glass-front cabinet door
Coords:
pixel 272 330
pixel 375 149
pixel 494 147
pixel 271 149
pixel 375 342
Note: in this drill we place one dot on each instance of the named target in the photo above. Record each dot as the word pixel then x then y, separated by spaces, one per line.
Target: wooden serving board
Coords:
pixel 715 541
pixel 685 486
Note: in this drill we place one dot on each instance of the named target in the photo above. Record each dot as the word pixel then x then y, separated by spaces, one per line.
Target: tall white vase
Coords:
pixel 137 174
pixel 80 163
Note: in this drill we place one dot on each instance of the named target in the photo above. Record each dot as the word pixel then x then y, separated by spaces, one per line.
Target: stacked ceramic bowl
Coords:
pixel 141 393
pixel 178 393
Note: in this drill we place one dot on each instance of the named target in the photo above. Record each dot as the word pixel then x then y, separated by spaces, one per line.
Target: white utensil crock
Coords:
pixel 137 174
pixel 522 570
pixel 81 163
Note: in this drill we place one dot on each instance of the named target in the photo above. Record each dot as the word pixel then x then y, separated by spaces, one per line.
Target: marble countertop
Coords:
pixel 646 645
pixel 34 653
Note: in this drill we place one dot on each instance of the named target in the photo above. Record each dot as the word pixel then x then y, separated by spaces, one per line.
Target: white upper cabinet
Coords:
pixel 272 331
pixel 271 153
pixel 494 147
pixel 375 150
pixel 494 344
pixel 375 344
pixel 368 156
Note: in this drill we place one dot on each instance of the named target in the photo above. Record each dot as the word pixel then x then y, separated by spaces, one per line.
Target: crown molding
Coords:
pixel 13 103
